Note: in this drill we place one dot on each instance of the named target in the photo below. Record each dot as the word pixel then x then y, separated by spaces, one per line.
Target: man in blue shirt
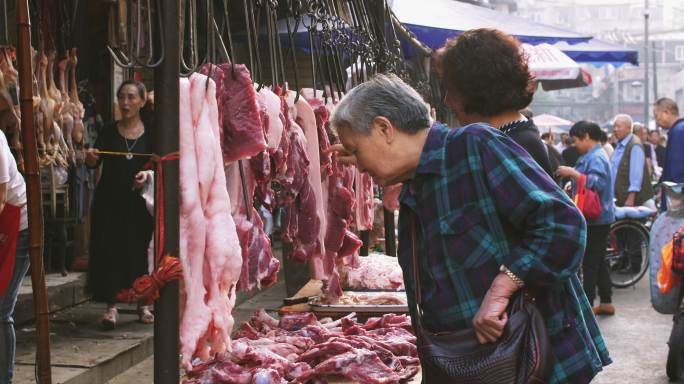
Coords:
pixel 628 166
pixel 667 117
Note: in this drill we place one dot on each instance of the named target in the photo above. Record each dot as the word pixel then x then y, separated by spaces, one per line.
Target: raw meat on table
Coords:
pixel 299 348
pixel 375 271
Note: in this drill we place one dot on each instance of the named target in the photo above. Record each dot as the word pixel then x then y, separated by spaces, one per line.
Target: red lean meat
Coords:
pixel 307 120
pixel 365 201
pixel 242 133
pixel 259 267
pixel 300 349
pixel 302 223
pixel 210 251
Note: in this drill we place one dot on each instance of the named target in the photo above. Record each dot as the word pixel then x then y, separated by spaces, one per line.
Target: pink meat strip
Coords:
pixel 210 250
pixel 196 315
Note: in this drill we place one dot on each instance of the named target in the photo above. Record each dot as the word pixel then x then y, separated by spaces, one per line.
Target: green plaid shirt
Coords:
pixel 481 202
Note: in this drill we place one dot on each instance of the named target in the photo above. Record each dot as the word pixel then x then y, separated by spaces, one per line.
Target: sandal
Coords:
pixel 110 318
pixel 145 315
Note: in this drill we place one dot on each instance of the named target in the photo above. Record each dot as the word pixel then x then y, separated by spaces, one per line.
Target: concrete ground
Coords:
pixel 637 339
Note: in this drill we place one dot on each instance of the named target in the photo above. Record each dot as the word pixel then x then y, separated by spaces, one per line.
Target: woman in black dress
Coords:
pixel 121 226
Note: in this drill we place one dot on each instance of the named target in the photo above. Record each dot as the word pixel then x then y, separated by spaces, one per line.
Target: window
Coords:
pixel 679 53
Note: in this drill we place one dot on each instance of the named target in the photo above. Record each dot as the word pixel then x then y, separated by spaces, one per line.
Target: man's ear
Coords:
pixel 384 128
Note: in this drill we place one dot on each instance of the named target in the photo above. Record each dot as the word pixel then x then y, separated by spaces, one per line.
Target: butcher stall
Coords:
pixel 257 180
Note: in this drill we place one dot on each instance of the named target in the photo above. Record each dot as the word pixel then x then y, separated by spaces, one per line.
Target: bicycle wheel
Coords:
pixel 627 252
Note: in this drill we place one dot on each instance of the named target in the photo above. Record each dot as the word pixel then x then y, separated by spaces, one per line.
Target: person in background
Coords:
pixel 121 226
pixel 594 164
pixel 13 251
pixel 555 158
pixel 606 145
pixel 655 140
pixel 561 146
pixel 642 134
pixel 629 170
pixel 570 154
pixel 667 117
pixel 468 192
pixel 468 68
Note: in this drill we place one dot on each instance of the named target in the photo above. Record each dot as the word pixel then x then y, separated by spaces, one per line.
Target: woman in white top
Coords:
pixel 14 259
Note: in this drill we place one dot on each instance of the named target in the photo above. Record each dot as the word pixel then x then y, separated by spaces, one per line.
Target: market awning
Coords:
pixel 598 53
pixel 434 21
pixel 553 123
pixel 554 69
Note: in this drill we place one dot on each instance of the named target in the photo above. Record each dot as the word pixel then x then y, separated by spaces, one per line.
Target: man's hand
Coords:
pixel 491 318
pixel 631 197
pixel 344 156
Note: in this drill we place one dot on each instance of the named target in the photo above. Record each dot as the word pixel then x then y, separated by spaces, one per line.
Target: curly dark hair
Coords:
pixel 489 70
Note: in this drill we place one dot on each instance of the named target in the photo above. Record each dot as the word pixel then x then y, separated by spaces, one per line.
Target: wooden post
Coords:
pixel 390 236
pixel 33 193
pixel 166 141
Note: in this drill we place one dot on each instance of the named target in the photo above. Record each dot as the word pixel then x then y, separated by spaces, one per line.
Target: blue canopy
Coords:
pixel 598 53
pixel 434 21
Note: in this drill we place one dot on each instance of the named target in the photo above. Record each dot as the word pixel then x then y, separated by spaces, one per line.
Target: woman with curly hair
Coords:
pixel 487 80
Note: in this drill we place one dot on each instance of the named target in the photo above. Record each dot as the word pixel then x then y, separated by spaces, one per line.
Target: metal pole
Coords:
pixel 646 84
pixel 390 247
pixel 33 193
pixel 166 139
pixel 655 71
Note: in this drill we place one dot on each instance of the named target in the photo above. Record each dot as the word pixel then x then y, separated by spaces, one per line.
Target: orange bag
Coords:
pixel 666 278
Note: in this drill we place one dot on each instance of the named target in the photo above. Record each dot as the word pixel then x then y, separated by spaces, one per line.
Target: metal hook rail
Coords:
pixel 136 57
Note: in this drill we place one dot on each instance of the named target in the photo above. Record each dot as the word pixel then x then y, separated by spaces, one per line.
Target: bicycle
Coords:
pixel 627 251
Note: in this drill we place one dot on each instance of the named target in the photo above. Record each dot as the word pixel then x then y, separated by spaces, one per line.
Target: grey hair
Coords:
pixel 626 118
pixel 383 95
pixel 637 128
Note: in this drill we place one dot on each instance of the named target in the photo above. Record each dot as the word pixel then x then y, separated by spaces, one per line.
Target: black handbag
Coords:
pixel 522 355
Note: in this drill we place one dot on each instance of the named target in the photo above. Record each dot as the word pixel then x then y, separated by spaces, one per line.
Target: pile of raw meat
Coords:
pixel 375 272
pixel 299 349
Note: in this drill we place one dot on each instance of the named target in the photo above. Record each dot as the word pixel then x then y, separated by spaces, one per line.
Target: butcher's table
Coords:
pixel 315 288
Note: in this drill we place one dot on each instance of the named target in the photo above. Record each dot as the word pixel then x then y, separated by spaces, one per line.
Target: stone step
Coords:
pixel 81 351
pixel 63 292
pixel 141 373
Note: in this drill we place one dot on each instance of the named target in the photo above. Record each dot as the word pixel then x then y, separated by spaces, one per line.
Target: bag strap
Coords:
pixel 416 274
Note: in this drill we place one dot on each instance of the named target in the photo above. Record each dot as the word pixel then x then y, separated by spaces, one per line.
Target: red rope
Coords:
pixel 146 288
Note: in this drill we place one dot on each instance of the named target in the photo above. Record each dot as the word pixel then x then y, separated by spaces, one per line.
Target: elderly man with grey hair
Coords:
pixel 629 169
pixel 485 220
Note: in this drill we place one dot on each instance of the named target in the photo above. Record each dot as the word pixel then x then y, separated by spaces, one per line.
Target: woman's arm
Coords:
pixel 552 229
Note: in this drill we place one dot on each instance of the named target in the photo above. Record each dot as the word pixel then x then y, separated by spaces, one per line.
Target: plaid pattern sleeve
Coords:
pixel 480 201
pixel 553 229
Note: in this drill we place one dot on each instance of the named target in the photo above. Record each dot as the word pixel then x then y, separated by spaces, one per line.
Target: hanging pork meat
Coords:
pixel 209 247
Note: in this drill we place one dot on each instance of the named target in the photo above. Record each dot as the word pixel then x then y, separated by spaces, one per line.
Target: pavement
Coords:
pixel 637 339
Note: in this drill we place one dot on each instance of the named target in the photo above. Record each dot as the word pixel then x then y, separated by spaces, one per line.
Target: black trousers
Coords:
pixel 594 265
